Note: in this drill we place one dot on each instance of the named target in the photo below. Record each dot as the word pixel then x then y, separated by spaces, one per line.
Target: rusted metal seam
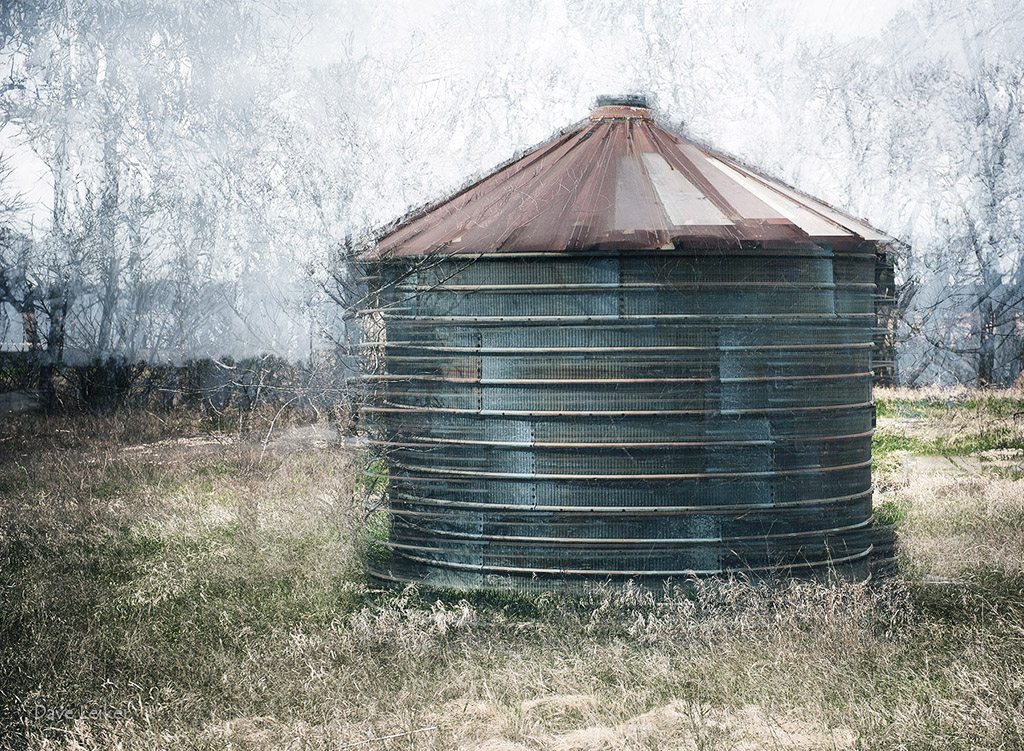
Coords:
pixel 671 476
pixel 615 413
pixel 743 508
pixel 611 286
pixel 662 444
pixel 540 178
pixel 733 250
pixel 607 381
pixel 757 177
pixel 430 320
pixel 481 568
pixel 679 161
pixel 408 344
pixel 404 232
pixel 625 321
pixel 600 542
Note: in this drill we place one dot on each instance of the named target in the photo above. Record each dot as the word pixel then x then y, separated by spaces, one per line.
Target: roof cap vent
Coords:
pixel 623 100
pixel 624 106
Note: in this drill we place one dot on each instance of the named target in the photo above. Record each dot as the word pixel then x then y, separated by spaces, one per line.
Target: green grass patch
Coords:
pixel 374 479
pixel 161 609
pixel 885 443
pixel 997 406
pixel 890 512
pixel 913 408
pixel 1002 438
pixel 1003 472
pixel 932 406
pixel 217 468
pixel 374 533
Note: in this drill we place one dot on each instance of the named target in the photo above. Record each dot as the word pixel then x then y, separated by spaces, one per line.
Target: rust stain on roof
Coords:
pixel 617 181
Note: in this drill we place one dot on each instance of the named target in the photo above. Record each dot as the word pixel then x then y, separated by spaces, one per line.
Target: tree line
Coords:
pixel 209 168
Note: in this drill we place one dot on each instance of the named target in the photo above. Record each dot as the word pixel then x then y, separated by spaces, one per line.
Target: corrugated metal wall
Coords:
pixel 555 417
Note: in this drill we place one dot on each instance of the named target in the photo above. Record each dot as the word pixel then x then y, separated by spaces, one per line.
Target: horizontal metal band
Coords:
pixel 459 256
pixel 419 442
pixel 606 286
pixel 397 409
pixel 596 381
pixel 661 543
pixel 603 573
pixel 637 317
pixel 594 350
pixel 687 476
pixel 630 510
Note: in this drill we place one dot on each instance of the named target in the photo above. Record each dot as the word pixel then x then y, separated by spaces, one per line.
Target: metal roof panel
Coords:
pixel 617 180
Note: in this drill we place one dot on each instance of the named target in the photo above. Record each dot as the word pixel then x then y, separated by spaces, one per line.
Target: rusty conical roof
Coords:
pixel 618 180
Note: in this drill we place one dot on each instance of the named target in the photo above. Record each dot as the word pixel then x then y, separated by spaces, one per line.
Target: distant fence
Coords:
pixel 322 383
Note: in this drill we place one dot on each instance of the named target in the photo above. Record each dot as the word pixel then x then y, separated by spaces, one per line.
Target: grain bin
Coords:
pixel 624 355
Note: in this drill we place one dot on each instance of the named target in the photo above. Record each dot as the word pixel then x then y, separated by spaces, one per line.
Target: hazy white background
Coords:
pixel 251 139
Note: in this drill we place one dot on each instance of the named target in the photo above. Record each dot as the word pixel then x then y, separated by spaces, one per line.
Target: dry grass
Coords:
pixel 204 593
pixel 988 424
pixel 950 465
